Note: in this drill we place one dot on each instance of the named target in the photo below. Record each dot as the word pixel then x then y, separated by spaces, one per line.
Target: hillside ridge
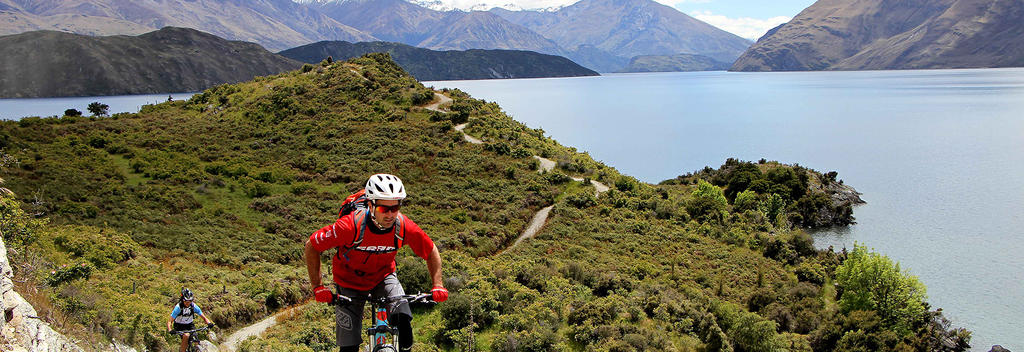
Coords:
pixel 55 64
pixel 890 34
pixel 431 65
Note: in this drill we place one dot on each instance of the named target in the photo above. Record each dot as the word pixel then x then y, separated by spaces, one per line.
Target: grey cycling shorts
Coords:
pixel 349 317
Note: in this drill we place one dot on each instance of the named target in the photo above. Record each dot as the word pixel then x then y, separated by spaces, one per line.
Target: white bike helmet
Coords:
pixel 384 187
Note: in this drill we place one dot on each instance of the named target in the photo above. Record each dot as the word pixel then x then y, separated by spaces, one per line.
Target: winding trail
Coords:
pixel 545 163
pixel 536 223
pixel 232 341
pixel 443 99
pixel 471 139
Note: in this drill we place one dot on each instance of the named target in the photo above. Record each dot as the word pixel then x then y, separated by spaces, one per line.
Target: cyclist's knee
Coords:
pixel 349 348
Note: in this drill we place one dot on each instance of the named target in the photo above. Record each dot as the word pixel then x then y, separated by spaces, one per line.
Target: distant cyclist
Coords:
pixel 183 316
pixel 367 241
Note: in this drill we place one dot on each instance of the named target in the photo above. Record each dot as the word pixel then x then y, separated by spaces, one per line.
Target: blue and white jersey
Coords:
pixel 185 315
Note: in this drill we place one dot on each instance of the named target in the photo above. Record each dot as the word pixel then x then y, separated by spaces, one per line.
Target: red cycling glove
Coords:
pixel 440 294
pixel 323 294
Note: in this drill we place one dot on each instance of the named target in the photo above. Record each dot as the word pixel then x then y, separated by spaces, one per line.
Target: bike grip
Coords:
pixel 323 294
pixel 439 294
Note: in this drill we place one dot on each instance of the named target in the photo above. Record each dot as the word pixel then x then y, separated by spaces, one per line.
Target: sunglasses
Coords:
pixel 388 208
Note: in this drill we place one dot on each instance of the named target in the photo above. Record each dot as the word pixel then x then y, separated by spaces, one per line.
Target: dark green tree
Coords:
pixel 98 109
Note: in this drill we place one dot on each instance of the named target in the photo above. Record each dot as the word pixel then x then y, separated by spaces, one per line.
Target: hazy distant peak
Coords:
pixel 451 5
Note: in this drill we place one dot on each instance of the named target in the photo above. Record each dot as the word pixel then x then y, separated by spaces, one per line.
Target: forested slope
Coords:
pixel 217 193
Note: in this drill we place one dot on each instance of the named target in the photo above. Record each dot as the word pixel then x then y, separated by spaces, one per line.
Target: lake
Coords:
pixel 13 109
pixel 937 154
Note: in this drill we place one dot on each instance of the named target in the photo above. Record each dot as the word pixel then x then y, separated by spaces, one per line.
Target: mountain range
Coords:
pixel 275 24
pixel 627 28
pixel 893 34
pixel 431 65
pixel 599 34
pixel 51 63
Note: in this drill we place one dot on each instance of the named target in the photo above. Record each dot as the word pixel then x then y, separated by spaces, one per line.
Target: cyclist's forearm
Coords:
pixel 434 267
pixel 313 265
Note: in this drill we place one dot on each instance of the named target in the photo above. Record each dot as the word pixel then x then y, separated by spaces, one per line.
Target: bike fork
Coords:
pixel 379 332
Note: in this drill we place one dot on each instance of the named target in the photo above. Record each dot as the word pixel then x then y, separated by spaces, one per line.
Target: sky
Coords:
pixel 746 18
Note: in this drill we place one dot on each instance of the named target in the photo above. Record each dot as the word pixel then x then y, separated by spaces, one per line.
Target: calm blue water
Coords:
pixel 12 109
pixel 938 154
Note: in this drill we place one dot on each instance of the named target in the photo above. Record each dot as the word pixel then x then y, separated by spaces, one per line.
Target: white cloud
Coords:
pixel 746 27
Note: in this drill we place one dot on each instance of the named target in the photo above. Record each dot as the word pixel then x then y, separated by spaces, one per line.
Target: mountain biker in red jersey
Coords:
pixel 367 241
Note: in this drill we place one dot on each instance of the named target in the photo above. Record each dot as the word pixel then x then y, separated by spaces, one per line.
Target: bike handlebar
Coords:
pixel 182 332
pixel 340 299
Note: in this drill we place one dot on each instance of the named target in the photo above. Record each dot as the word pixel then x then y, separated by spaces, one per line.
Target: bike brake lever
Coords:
pixel 340 299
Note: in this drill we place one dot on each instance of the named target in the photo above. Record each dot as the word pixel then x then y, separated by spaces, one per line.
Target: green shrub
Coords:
pixel 746 200
pixel 811 272
pixel 102 248
pixel 581 200
pixel 256 189
pixel 871 282
pixel 17 227
pixel 708 203
pixel 67 273
pixel 752 333
pixel 301 188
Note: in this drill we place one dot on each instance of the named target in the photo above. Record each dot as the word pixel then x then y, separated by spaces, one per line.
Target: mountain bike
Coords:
pixel 193 339
pixel 383 336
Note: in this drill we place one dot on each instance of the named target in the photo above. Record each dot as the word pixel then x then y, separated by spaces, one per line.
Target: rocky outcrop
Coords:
pixel 893 34
pixel 22 330
pixel 998 348
pixel 839 192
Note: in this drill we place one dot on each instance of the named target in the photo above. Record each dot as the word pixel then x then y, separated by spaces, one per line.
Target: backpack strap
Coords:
pixel 359 219
pixel 359 223
pixel 399 235
pixel 353 202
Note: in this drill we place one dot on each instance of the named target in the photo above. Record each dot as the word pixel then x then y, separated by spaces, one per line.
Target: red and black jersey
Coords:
pixel 362 264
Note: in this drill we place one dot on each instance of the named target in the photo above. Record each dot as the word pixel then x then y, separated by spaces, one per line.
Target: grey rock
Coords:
pixel 22 330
